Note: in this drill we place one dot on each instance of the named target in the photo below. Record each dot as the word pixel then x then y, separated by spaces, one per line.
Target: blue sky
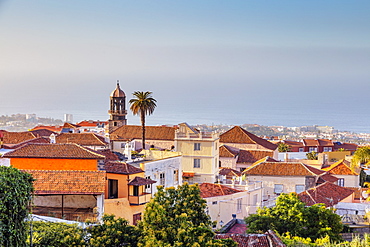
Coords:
pixel 196 56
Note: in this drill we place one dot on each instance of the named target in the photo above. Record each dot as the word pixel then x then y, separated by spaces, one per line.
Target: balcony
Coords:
pixel 202 135
pixel 140 199
pixel 66 213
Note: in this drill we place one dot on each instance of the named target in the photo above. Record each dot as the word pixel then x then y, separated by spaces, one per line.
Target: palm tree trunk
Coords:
pixel 143 128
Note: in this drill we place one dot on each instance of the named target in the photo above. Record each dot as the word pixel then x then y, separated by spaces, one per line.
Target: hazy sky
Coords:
pixel 195 56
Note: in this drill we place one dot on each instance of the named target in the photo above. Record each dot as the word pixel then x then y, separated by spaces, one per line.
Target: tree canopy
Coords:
pixel 15 195
pixel 361 156
pixel 283 147
pixel 143 104
pixel 176 217
pixel 290 215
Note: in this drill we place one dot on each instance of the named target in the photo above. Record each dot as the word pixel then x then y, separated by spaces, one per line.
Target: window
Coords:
pixel 278 189
pixel 312 149
pixel 341 182
pixel 196 146
pixel 136 218
pixel 214 203
pixel 327 149
pixel 112 188
pixel 176 176
pixel 123 145
pixel 239 205
pixel 147 186
pixel 161 179
pixel 301 150
pixel 255 200
pixel 299 188
pixel 196 163
pixel 136 190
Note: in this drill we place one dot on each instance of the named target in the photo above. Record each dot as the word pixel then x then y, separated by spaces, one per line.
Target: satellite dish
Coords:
pixel 364 194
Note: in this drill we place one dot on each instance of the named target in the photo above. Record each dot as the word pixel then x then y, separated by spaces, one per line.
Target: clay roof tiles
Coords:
pixel 68 182
pixel 59 151
pixel 84 139
pixel 56 129
pixel 282 169
pixel 36 140
pixel 121 168
pixel 131 132
pixel 227 151
pixel 137 181
pixel 341 167
pixel 229 172
pixel 17 137
pixel 212 190
pixel 86 123
pixel 251 156
pixel 240 135
pixel 327 193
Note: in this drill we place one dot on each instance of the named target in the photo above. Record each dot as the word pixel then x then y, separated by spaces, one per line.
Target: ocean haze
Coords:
pixel 266 62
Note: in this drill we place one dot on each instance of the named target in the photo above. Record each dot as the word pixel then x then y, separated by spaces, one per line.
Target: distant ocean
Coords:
pixel 353 121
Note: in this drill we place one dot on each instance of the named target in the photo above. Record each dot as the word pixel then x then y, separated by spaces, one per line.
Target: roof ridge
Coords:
pixel 96 137
pixel 87 149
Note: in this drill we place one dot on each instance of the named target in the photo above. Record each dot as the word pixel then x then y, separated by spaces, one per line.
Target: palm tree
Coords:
pixel 144 104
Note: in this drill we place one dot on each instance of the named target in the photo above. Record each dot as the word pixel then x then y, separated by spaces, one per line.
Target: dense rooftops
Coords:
pixel 131 132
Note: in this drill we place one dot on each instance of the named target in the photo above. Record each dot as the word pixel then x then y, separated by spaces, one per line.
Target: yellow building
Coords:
pixel 200 154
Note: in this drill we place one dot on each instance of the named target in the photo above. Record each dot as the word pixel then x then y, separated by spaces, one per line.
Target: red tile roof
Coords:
pixel 269 239
pixel 59 151
pixel 251 156
pixel 282 169
pixel 318 142
pixel 327 193
pixel 17 137
pixel 83 139
pixel 132 132
pixel 345 146
pixel 293 143
pixel 109 155
pixel 68 182
pixel 70 126
pixel 240 135
pixel 227 151
pixel 36 140
pixel 212 190
pixel 121 168
pixel 341 167
pixel 325 142
pixel 229 172
pixel 326 177
pixel 86 123
pixel 56 129
pixel 42 132
pixel 137 181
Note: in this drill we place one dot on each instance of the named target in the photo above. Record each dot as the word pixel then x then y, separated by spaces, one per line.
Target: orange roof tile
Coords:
pixel 131 132
pixel 282 169
pixel 17 137
pixel 121 168
pixel 293 143
pixel 109 155
pixel 229 172
pixel 70 126
pixel 240 135
pixel 51 128
pixel 42 132
pixel 59 151
pixel 137 181
pixel 211 190
pixel 325 142
pixel 327 193
pixel 227 151
pixel 86 123
pixel 345 146
pixel 36 140
pixel 68 182
pixel 341 167
pixel 83 139
pixel 251 156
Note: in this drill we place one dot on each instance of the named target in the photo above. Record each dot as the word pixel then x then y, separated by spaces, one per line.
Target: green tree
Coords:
pixel 144 104
pixel 56 235
pixel 290 215
pixel 283 147
pixel 312 155
pixel 176 217
pixel 114 232
pixel 15 195
pixel 361 156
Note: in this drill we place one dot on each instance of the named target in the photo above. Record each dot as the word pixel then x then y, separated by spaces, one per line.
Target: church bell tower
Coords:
pixel 117 111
